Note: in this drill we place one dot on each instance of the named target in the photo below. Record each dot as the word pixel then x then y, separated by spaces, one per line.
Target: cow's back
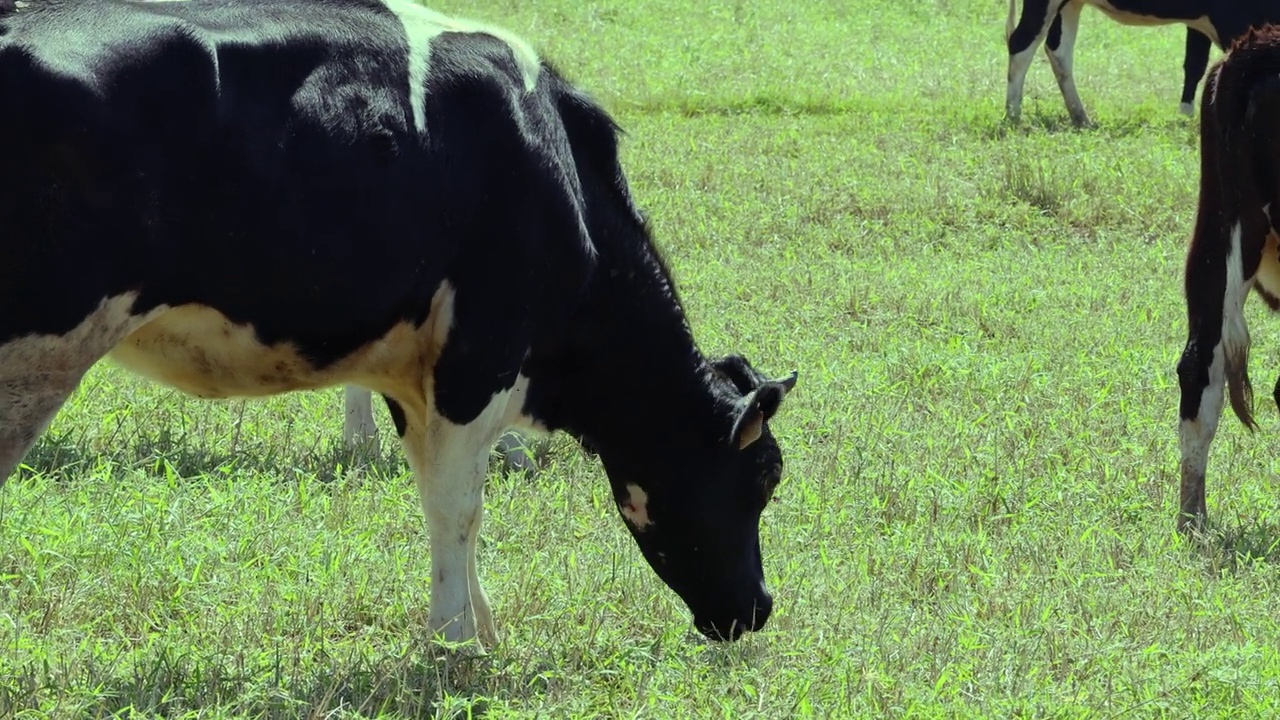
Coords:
pixel 256 157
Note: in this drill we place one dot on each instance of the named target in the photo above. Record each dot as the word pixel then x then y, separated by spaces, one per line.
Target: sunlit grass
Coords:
pixel 978 512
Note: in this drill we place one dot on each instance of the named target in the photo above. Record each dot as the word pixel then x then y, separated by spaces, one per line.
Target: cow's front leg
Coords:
pixel 449 462
pixel 1195 61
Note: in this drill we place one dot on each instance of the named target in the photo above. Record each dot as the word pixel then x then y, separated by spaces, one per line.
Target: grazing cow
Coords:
pixel 359 430
pixel 190 186
pixel 1058 21
pixel 1233 249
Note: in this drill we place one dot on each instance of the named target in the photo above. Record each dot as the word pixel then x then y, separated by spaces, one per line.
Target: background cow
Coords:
pixel 1058 21
pixel 1233 249
pixel 190 186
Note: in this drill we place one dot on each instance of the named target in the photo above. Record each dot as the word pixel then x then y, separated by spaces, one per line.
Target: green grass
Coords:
pixel 977 517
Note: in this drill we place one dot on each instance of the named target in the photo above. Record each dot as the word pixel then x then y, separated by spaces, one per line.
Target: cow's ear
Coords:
pixel 755 409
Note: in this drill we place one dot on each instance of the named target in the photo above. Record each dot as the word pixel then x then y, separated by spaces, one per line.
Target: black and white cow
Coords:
pixel 1233 250
pixel 189 186
pixel 360 431
pixel 1058 21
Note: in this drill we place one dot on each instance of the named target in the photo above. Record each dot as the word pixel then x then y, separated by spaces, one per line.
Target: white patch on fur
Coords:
pixel 196 349
pixel 358 427
pixel 636 507
pixel 1187 109
pixel 422 25
pixel 1268 275
pixel 1235 333
pixel 39 372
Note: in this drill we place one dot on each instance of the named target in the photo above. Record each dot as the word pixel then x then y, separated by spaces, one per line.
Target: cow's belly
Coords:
pixel 1127 17
pixel 196 349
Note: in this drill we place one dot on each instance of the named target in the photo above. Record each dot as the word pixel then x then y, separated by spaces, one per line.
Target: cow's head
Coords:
pixel 694 507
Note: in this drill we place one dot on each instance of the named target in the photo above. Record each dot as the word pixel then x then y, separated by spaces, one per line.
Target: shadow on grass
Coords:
pixel 1130 125
pixel 177 455
pixel 1231 548
pixel 181 685
pixel 1002 128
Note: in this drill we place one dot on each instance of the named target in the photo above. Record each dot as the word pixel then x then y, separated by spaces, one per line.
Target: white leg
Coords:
pixel 1194 438
pixel 1020 58
pixel 449 463
pixel 1060 59
pixel 358 428
pixel 1019 64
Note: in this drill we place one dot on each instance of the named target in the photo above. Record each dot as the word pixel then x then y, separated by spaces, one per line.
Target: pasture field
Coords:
pixel 977 515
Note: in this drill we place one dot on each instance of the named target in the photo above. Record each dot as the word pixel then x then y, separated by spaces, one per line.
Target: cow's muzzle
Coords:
pixel 729 626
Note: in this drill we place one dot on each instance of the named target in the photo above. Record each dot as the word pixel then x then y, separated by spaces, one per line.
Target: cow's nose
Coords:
pixel 725 630
pixel 730 626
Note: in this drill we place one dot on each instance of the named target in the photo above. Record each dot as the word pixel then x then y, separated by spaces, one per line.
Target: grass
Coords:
pixel 977 518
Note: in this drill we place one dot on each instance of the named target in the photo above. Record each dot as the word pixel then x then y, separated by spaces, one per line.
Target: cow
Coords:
pixel 1233 250
pixel 359 431
pixel 1208 22
pixel 190 187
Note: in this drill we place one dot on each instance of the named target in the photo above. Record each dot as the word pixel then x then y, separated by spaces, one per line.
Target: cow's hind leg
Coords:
pixel 38 372
pixel 1061 48
pixel 1023 40
pixel 1214 359
pixel 29 399
pixel 358 428
pixel 1202 381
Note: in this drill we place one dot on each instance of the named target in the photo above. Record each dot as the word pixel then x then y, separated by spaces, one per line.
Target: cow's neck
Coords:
pixel 629 377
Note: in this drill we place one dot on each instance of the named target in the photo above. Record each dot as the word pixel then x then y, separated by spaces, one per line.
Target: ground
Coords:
pixel 977 516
